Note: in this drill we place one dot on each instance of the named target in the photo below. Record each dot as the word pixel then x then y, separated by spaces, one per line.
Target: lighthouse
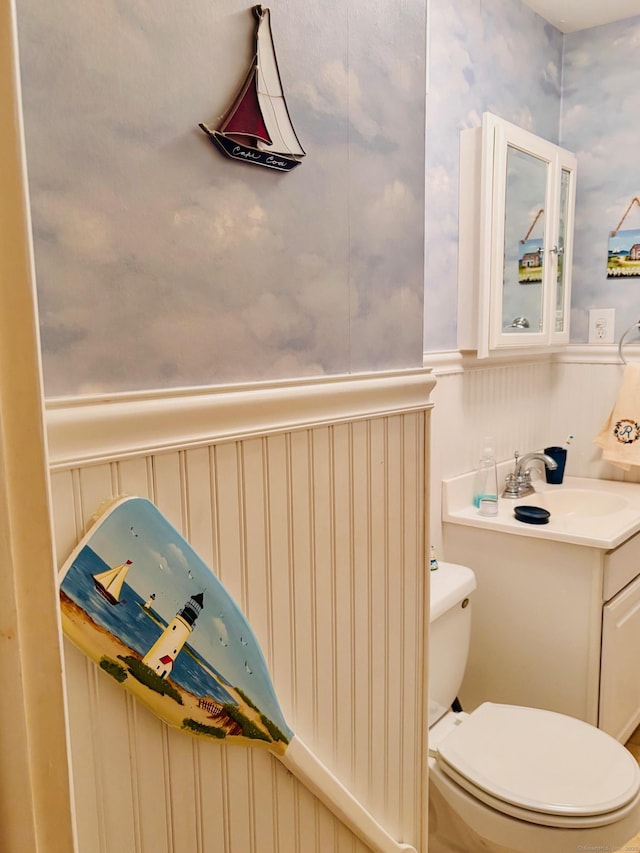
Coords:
pixel 163 653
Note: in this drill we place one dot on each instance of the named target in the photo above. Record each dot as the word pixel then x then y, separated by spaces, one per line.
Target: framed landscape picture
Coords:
pixel 624 254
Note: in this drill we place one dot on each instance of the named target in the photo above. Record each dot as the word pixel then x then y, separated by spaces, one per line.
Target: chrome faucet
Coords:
pixel 518 484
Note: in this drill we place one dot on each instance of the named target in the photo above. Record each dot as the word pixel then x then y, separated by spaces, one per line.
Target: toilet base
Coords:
pixel 460 824
pixel 449 834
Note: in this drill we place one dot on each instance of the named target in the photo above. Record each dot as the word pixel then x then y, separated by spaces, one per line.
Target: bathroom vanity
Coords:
pixel 556 619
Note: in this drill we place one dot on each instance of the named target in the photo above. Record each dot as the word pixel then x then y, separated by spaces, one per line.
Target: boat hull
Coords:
pixel 101 590
pixel 248 154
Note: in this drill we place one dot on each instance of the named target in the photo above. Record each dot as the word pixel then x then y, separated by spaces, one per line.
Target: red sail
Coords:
pixel 245 117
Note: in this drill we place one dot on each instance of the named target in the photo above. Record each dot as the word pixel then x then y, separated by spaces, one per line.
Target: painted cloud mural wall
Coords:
pixel 160 263
pixel 580 90
pixel 496 56
pixel 601 123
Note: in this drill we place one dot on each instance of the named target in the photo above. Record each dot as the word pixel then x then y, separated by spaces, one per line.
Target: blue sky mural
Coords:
pixel 161 264
pixel 601 123
pixel 499 57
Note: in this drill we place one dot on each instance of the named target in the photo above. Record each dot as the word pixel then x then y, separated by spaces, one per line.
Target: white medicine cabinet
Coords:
pixel 517 202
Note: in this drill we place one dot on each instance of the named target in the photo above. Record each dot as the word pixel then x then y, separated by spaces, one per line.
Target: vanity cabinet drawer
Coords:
pixel 621 566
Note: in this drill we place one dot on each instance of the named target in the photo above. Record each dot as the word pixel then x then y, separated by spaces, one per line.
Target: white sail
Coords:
pixel 113 579
pixel 271 97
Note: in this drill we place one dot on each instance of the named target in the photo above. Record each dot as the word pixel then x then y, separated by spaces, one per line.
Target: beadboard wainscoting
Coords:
pixel 308 501
pixel 524 403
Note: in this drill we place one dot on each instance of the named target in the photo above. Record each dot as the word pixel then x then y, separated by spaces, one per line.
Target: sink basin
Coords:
pixel 580 503
pixel 583 510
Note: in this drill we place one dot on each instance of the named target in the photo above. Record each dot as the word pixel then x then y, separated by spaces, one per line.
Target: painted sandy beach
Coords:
pixel 98 644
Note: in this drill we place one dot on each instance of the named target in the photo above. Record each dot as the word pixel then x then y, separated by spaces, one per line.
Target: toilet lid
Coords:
pixel 540 761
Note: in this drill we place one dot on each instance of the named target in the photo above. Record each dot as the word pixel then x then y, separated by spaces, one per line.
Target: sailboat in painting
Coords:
pixel 109 583
pixel 257 127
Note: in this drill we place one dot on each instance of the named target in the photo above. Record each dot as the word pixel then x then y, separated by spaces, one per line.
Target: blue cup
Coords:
pixel 559 456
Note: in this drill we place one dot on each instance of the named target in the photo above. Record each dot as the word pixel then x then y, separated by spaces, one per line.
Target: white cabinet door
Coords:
pixel 517 200
pixel 620 664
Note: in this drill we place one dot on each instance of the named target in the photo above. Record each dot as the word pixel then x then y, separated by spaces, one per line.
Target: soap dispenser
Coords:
pixel 485 496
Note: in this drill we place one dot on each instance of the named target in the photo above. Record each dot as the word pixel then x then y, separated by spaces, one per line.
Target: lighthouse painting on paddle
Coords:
pixel 168 632
pixel 257 128
pixel 137 599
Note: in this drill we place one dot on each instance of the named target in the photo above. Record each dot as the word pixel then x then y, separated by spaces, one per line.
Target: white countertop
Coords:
pixel 604 531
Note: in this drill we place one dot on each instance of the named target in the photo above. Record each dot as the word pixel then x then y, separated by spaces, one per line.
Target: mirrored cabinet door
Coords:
pixel 521 312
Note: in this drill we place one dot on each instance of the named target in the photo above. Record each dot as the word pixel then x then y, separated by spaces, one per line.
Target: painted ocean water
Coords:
pixel 133 626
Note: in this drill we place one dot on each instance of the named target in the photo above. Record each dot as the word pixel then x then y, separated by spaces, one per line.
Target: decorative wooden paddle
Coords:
pixel 136 599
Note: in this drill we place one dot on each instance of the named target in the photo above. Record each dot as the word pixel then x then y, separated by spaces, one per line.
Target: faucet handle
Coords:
pixel 511 488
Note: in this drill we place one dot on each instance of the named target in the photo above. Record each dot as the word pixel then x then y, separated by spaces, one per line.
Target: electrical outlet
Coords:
pixel 602 325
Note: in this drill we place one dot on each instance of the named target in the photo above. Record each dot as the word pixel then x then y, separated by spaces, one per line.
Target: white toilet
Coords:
pixel 507 778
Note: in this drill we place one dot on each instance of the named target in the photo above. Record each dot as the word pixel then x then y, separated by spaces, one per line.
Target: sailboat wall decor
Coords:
pixel 257 128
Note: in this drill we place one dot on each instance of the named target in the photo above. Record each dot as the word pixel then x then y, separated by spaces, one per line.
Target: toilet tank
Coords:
pixel 449 632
